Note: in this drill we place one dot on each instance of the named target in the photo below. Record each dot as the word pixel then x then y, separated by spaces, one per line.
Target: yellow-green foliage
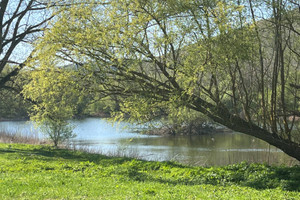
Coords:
pixel 126 33
pixel 55 91
pixel 167 56
pixel 56 94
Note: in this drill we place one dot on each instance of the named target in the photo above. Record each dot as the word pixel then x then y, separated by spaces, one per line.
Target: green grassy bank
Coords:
pixel 41 172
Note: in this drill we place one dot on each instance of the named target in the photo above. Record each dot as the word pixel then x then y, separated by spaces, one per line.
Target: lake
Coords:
pixel 98 135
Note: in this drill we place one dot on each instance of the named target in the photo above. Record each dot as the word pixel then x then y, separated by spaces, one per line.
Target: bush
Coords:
pixel 58 131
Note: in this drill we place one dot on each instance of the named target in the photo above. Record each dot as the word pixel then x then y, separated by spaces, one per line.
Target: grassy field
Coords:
pixel 41 172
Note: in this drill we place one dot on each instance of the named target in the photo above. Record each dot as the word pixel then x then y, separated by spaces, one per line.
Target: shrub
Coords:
pixel 58 131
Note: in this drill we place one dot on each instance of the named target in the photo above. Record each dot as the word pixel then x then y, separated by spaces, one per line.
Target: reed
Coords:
pixel 7 136
pixel 120 151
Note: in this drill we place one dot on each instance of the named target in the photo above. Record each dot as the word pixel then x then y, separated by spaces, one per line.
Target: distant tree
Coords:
pixel 233 61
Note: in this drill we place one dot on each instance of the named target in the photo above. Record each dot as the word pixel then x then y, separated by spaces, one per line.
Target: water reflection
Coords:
pixel 215 149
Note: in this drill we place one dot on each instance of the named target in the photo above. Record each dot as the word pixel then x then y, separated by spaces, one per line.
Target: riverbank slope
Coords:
pixel 42 172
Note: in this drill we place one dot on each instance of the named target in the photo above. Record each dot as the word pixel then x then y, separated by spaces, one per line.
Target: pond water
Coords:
pixel 98 135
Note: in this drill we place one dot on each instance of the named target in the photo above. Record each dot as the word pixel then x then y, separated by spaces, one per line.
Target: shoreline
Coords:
pixel 14 119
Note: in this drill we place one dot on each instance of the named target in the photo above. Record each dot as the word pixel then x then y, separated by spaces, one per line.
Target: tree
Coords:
pixel 219 58
pixel 21 22
pixel 57 95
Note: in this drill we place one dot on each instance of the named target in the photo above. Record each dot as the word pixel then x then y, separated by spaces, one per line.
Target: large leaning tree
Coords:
pixel 236 62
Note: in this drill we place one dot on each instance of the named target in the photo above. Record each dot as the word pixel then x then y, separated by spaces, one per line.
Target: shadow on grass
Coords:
pixel 257 176
pixel 50 153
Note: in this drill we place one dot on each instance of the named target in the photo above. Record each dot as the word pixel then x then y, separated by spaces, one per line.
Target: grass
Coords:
pixel 43 172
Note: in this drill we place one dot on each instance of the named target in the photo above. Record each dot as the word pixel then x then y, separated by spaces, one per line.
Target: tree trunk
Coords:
pixel 287 146
pixel 221 115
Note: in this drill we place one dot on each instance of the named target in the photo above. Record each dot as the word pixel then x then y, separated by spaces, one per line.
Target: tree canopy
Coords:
pixel 236 62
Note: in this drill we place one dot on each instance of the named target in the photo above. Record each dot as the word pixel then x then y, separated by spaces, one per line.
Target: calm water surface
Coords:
pixel 215 149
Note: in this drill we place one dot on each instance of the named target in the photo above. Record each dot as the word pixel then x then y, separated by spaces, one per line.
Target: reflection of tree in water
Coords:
pixel 222 149
pixel 213 149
